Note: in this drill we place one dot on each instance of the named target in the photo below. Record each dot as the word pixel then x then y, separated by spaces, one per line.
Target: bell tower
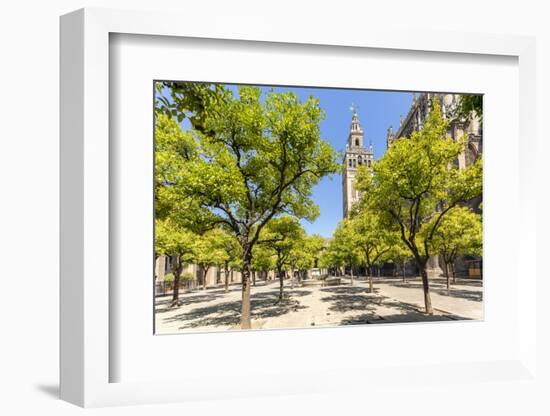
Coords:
pixel 356 154
pixel 355 137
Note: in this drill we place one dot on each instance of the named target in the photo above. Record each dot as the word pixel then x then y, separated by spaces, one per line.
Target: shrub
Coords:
pixel 169 277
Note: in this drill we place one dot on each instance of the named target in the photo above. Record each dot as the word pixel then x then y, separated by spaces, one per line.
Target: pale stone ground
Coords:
pixel 392 301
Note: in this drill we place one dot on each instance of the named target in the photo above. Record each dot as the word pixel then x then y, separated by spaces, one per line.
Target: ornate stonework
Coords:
pixel 356 155
pixel 414 120
pixel 420 108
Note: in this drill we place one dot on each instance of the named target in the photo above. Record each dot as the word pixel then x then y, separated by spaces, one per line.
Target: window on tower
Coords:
pixel 356 142
pixel 368 163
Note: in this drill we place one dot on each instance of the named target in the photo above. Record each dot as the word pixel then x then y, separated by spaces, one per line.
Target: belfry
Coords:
pixel 356 154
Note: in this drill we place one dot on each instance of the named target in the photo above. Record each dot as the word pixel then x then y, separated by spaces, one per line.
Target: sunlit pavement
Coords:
pixel 393 301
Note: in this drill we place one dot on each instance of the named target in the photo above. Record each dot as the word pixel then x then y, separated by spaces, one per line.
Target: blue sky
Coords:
pixel 377 110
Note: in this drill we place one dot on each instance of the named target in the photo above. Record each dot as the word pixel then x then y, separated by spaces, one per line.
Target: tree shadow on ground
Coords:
pixel 470 283
pixel 287 293
pixel 185 299
pixel 350 302
pixel 220 291
pixel 404 313
pixel 461 294
pixel 347 290
pixel 440 289
pixel 395 318
pixel 263 305
pixel 359 299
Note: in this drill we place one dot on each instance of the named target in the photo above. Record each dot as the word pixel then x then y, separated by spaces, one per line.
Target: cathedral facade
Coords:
pixel 357 154
pixel 458 127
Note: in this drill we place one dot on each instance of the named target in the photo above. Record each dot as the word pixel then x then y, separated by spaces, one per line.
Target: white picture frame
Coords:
pixel 85 352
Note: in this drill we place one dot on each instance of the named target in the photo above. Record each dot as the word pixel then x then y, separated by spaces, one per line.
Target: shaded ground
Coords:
pixel 392 301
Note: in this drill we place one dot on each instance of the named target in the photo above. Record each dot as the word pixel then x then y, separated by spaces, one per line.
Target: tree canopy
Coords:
pixel 171 239
pixel 282 236
pixel 471 106
pixel 416 183
pixel 372 240
pixel 249 158
pixel 343 248
pixel 460 233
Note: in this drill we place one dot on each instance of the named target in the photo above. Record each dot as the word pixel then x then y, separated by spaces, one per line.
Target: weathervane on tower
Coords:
pixel 354 109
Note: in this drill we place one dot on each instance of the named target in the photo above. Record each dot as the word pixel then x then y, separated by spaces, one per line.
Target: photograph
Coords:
pixel 292 207
pixel 244 208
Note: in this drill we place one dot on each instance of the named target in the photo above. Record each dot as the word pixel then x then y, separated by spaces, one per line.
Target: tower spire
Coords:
pixel 356 154
pixel 355 138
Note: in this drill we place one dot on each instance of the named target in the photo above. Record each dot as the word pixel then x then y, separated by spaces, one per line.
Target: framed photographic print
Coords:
pixel 249 232
pixel 290 212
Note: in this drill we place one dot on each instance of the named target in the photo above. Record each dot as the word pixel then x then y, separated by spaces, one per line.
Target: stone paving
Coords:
pixel 393 301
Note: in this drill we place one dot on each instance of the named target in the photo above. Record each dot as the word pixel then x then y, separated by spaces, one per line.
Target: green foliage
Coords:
pixel 415 184
pixel 374 241
pixel 471 106
pixel 281 237
pixel 248 160
pixel 398 252
pixel 209 249
pixel 306 255
pixel 173 240
pixel 194 101
pixel 229 245
pixel 173 151
pixel 254 159
pixel 329 258
pixel 169 277
pixel 459 233
pixel 263 258
pixel 343 249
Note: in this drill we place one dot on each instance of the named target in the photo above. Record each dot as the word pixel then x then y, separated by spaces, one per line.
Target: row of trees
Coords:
pixel 235 185
pixel 364 241
pixel 246 168
pixel 415 201
pixel 212 248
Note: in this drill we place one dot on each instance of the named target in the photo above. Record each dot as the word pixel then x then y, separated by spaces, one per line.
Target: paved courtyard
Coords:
pixel 392 302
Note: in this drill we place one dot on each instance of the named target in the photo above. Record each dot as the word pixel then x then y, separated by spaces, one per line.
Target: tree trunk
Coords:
pixel 447 275
pixel 351 273
pixel 378 270
pixel 426 287
pixel 454 272
pixel 245 304
pixel 281 284
pixel 204 272
pixel 226 277
pixel 254 277
pixel 176 285
pixel 404 272
pixel 369 272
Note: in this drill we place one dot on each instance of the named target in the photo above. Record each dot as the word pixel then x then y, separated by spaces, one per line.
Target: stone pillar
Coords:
pixel 433 267
pixel 159 268
pixel 456 132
